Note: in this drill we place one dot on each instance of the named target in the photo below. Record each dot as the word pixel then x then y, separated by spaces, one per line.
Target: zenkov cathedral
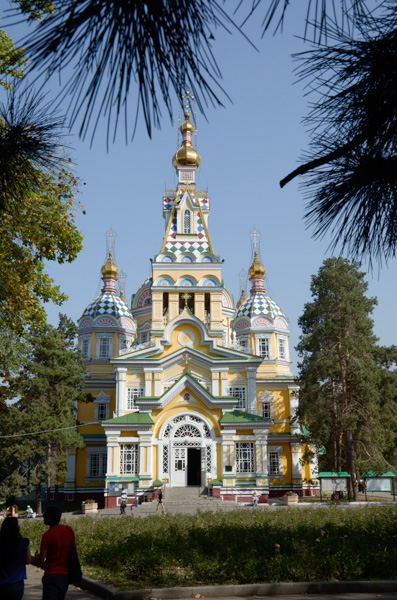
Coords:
pixel 188 389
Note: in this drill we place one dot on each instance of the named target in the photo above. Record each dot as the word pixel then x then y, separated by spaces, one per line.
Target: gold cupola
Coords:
pixel 242 299
pixel 186 155
pixel 256 269
pixel 109 269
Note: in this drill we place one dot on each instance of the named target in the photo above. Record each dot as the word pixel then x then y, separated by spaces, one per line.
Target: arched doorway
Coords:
pixel 187 451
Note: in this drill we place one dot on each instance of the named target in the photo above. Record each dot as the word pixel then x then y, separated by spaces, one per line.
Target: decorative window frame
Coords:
pixel 83 339
pixel 282 338
pixel 101 398
pixel 240 405
pixel 241 447
pixel 263 336
pixel 187 229
pixel 140 393
pixel 266 397
pixel 99 337
pixel 135 450
pixel 102 453
pixel 279 451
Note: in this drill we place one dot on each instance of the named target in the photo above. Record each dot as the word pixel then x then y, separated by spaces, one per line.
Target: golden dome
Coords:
pixel 109 269
pixel 256 269
pixel 242 299
pixel 186 155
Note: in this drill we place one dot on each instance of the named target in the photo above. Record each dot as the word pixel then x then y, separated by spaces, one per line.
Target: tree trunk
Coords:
pixel 350 456
pixel 37 473
pixel 335 425
pixel 48 470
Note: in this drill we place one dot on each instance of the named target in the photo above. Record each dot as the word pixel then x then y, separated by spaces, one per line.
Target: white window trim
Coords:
pixel 136 451
pixel 279 451
pixel 85 338
pixel 100 336
pixel 101 398
pixel 285 340
pixel 261 336
pixel 252 459
pixel 140 392
pixel 184 212
pixel 102 452
pixel 266 397
pixel 242 387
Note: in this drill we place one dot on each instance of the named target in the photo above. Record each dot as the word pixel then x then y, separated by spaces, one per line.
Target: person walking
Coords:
pixel 123 501
pixel 160 502
pixel 14 556
pixel 55 548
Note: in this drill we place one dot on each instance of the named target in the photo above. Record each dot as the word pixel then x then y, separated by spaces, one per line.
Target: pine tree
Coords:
pixel 347 392
pixel 43 419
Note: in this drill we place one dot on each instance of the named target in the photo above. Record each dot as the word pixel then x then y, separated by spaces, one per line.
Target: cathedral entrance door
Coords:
pixel 179 478
pixel 194 466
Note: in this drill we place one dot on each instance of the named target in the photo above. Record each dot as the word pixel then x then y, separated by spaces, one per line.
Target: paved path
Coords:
pixel 33 587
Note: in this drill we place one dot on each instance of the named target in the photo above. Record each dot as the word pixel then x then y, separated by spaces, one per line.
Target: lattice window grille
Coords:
pixel 264 347
pixel 179 419
pixel 165 460
pixel 94 465
pixel 187 444
pixel 273 463
pixel 195 419
pixel 266 411
pixel 180 459
pixel 128 459
pixel 102 412
pixel 167 431
pixel 245 457
pixel 187 430
pixel 239 392
pixel 104 347
pixel 208 456
pixel 186 221
pixel 132 393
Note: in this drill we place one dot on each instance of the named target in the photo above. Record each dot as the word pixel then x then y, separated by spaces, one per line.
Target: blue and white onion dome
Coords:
pixel 108 309
pixel 258 304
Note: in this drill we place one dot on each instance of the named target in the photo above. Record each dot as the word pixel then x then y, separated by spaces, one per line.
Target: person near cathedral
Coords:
pixel 55 547
pixel 160 502
pixel 254 501
pixel 123 501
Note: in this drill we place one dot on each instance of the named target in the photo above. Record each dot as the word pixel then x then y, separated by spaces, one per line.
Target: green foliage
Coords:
pixel 236 548
pixel 347 395
pixel 35 9
pixel 12 60
pixel 40 424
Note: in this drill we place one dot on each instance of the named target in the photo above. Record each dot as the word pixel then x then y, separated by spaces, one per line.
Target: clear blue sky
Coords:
pixel 246 148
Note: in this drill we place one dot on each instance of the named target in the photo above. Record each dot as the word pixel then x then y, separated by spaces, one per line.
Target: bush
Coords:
pixel 239 547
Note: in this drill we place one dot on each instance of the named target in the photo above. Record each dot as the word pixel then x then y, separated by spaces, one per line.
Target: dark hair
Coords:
pixel 54 512
pixel 9 533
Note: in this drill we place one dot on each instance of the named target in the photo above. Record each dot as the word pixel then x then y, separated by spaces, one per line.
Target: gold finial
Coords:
pixel 187 155
pixel 256 269
pixel 109 269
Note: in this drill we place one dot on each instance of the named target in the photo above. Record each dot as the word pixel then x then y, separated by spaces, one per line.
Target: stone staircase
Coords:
pixel 197 496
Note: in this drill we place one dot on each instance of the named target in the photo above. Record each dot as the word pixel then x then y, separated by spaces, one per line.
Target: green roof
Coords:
pixel 333 474
pixel 157 482
pixel 135 418
pixel 216 482
pixel 375 474
pixel 238 416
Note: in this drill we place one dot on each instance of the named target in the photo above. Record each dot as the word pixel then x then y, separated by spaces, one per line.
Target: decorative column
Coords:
pixel 173 306
pixel 262 480
pixel 224 382
pixel 148 382
pixel 293 407
pixel 199 306
pixel 251 376
pixel 112 445
pixel 145 458
pixel 157 382
pixel 296 465
pixel 120 391
pixel 215 383
pixel 228 457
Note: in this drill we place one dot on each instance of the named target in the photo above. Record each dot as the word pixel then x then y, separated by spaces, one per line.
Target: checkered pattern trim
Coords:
pixel 259 305
pixel 178 248
pixel 107 304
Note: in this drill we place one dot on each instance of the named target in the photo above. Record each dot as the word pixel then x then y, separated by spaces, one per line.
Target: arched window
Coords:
pixel 187 221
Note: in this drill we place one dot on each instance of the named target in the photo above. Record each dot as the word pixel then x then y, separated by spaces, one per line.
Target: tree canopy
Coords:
pixel 348 390
pixel 37 428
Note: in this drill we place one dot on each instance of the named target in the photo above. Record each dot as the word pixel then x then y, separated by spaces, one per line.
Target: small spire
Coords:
pixel 241 300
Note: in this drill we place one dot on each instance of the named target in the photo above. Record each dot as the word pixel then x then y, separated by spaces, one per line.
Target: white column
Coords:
pixel 296 464
pixel 215 383
pixel 157 382
pixel 224 383
pixel 148 382
pixel 293 407
pixel 112 445
pixel 251 376
pixel 145 446
pixel 120 390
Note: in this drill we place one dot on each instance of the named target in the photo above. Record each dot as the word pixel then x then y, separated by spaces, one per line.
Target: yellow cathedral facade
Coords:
pixel 188 389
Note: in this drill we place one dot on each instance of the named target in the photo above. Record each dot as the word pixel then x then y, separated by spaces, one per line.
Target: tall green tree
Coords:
pixel 347 388
pixel 39 426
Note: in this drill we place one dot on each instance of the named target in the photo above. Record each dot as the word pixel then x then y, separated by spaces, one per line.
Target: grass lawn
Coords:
pixel 298 544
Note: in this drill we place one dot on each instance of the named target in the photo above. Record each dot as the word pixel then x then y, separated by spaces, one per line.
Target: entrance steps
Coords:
pixel 193 495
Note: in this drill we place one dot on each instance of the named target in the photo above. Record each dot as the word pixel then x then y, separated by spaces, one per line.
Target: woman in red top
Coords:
pixel 55 547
